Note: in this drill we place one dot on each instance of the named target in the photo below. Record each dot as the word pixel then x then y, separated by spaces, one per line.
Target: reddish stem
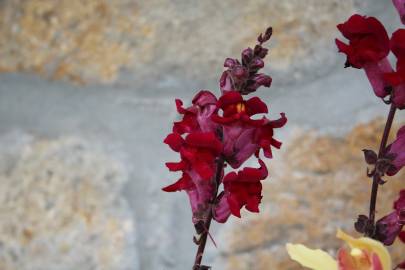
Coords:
pixel 203 239
pixel 376 176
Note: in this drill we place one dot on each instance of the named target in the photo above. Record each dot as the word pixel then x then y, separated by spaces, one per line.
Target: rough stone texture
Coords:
pixel 61 209
pixel 73 39
pixel 317 186
pixel 91 40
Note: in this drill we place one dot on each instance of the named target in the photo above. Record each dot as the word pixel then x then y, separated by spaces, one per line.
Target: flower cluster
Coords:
pixel 368 49
pixel 214 132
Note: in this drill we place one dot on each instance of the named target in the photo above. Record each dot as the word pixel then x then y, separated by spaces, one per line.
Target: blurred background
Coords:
pixel 87 94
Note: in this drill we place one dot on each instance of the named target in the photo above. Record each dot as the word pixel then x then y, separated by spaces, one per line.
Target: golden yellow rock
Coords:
pixel 71 39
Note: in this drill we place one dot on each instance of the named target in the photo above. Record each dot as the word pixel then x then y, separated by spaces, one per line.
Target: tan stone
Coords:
pixel 92 40
pixel 60 204
pixel 73 39
pixel 316 186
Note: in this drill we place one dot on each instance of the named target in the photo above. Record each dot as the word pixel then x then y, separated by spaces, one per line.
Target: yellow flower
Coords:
pixel 365 254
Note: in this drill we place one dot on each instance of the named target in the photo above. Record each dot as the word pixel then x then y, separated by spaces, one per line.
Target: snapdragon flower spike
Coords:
pixel 397 79
pixel 400 6
pixel 241 189
pixel 198 152
pixel 390 226
pixel 243 76
pixel 367 49
pixel 215 132
pixel 244 136
pixel 396 150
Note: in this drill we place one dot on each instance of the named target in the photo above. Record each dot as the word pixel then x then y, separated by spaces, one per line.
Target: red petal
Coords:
pixel 255 105
pixel 342 47
pixel 398 43
pixel 253 174
pixel 176 166
pixel 204 98
pixel 232 176
pixel 183 183
pixel 204 170
pixel 279 122
pixel 230 97
pixel 393 78
pixel 275 143
pixel 399 96
pixel 253 204
pixel 175 141
pixel 179 106
pixel 204 139
pixel 234 206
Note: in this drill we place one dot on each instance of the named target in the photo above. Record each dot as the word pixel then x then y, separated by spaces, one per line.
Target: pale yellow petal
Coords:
pixel 315 259
pixel 370 245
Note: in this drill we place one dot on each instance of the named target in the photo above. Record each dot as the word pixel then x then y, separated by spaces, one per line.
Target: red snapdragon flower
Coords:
pixel 390 226
pixel 397 79
pixel 396 150
pixel 368 49
pixel 198 116
pixel 400 6
pixel 198 152
pixel 241 189
pixel 215 132
pixel 244 136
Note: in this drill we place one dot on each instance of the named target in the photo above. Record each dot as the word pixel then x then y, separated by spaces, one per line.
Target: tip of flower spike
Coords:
pixel 263 38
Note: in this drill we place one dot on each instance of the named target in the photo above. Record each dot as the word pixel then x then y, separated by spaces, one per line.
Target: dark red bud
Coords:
pixel 263 38
pixel 230 63
pixel 257 63
pixel 260 51
pixel 263 80
pixel 247 56
pixel 362 224
pixel 370 156
pixel 239 72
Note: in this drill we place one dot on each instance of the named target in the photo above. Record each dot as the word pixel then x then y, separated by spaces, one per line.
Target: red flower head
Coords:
pixel 198 154
pixel 241 189
pixel 368 48
pixel 198 116
pixel 390 226
pixel 213 133
pixel 396 151
pixel 400 6
pixel 397 79
pixel 244 136
pixel 368 40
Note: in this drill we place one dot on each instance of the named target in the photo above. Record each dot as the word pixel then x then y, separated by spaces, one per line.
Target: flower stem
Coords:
pixel 376 176
pixel 203 240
